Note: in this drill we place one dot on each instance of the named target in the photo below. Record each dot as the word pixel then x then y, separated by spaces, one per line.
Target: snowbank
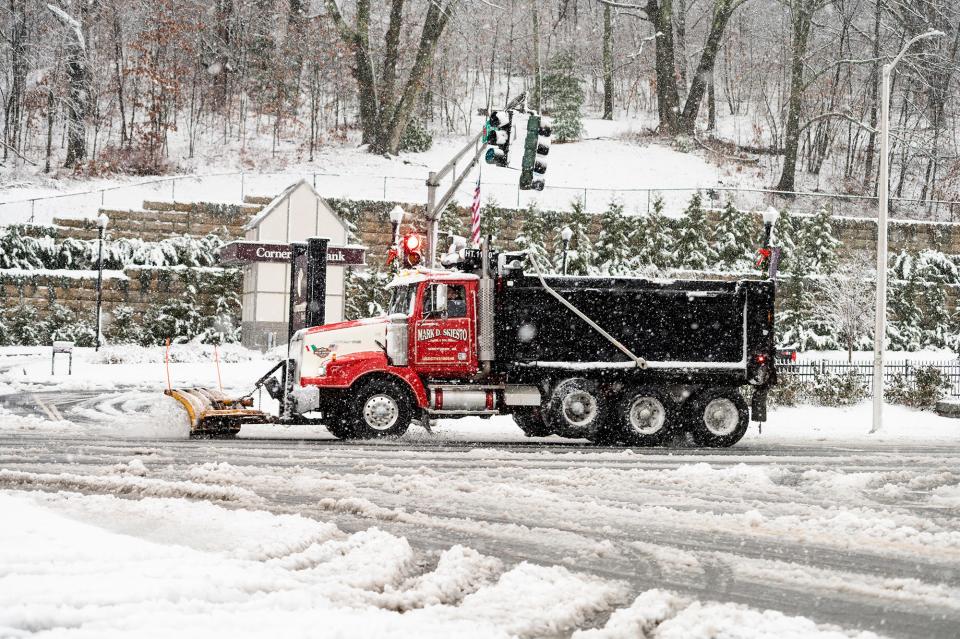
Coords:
pixel 101 566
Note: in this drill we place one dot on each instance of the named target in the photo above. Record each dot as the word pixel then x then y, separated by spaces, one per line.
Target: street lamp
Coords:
pixel 566 235
pixel 396 217
pixel 770 217
pixel 880 328
pixel 102 222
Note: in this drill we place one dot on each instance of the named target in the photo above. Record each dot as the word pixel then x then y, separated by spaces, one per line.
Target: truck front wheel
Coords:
pixel 645 416
pixel 379 408
pixel 719 418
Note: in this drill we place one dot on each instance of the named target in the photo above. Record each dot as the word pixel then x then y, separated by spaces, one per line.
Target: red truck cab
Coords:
pixel 428 332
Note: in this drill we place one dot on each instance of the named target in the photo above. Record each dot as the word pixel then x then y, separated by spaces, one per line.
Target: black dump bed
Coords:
pixel 673 324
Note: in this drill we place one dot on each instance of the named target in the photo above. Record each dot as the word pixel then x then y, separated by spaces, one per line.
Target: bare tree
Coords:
pixel 385 112
pixel 845 300
pixel 75 52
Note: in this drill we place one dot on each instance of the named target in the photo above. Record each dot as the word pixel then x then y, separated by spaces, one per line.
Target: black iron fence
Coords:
pixel 807 371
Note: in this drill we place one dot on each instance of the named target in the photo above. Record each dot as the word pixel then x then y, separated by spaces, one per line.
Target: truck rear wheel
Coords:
pixel 379 408
pixel 576 408
pixel 719 418
pixel 645 416
pixel 531 422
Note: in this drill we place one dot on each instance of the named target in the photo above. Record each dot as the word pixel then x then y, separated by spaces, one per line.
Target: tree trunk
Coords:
pixel 13 109
pixel 78 77
pixel 51 104
pixel 680 29
pixel 711 105
pixel 433 27
pixel 802 16
pixel 668 101
pixel 388 77
pixel 607 64
pixel 118 72
pixel 722 11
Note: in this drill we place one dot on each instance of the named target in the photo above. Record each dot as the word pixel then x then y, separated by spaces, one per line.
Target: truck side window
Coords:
pixel 435 301
pixel 456 301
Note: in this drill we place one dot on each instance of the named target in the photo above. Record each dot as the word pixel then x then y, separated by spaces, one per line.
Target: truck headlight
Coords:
pixel 322 371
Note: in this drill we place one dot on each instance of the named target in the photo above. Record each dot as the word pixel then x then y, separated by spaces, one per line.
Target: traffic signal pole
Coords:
pixel 435 207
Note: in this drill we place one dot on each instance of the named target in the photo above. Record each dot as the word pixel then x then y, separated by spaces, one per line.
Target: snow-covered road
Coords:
pixel 479 539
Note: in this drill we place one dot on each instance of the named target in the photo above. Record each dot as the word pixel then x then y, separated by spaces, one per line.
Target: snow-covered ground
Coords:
pixel 114 524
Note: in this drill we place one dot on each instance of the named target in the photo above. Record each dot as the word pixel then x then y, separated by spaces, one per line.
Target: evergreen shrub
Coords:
pixel 838 389
pixel 927 386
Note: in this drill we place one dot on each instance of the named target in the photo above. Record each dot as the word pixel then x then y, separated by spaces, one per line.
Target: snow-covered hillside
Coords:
pixel 611 162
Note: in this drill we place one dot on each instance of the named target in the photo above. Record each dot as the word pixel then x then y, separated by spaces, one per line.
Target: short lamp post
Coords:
pixel 396 218
pixel 102 222
pixel 880 320
pixel 566 235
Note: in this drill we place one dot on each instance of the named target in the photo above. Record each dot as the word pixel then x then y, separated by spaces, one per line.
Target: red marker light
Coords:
pixel 412 242
pixel 761 359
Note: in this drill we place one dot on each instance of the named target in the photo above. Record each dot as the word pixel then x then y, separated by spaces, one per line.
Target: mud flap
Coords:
pixel 758 404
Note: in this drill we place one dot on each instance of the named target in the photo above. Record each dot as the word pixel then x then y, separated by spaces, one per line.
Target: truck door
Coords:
pixel 444 331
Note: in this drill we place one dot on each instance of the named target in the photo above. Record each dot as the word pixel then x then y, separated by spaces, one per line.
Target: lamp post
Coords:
pixel 102 222
pixel 880 328
pixel 566 235
pixel 396 218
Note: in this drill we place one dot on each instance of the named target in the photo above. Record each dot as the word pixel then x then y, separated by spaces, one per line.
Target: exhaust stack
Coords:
pixel 485 345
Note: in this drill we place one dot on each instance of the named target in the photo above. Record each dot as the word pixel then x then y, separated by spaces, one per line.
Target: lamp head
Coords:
pixel 566 234
pixel 103 220
pixel 396 214
pixel 771 215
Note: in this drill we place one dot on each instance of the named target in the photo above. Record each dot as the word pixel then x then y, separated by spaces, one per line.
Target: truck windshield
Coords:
pixel 401 300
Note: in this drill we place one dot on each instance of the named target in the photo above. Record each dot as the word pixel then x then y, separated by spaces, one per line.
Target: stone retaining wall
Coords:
pixel 136 287
pixel 160 220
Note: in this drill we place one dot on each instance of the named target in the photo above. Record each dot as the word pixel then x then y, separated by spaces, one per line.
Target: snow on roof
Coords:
pixel 284 194
pixel 414 276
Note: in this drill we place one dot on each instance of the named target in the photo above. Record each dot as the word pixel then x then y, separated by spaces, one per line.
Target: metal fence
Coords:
pixel 233 186
pixel 807 371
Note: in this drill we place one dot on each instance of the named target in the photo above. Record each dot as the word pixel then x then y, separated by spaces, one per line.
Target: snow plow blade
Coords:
pixel 213 414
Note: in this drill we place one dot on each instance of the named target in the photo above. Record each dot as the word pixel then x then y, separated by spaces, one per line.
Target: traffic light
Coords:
pixel 497 135
pixel 412 246
pixel 535 148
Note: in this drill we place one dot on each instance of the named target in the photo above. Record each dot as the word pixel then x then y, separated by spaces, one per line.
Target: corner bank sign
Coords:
pixel 243 252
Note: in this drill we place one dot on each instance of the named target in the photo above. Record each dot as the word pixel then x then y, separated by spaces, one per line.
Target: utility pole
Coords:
pixel 880 320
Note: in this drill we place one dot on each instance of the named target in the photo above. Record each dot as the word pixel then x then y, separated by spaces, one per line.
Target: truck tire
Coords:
pixel 531 422
pixel 378 408
pixel 337 426
pixel 645 416
pixel 718 418
pixel 576 409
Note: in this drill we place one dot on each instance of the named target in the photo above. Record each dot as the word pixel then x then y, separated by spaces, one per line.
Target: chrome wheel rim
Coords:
pixel 579 408
pixel 647 415
pixel 380 412
pixel 721 416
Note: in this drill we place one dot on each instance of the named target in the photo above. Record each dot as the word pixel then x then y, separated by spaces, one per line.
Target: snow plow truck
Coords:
pixel 614 360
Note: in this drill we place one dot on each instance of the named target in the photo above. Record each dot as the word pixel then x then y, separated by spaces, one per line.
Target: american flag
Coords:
pixel 475 217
